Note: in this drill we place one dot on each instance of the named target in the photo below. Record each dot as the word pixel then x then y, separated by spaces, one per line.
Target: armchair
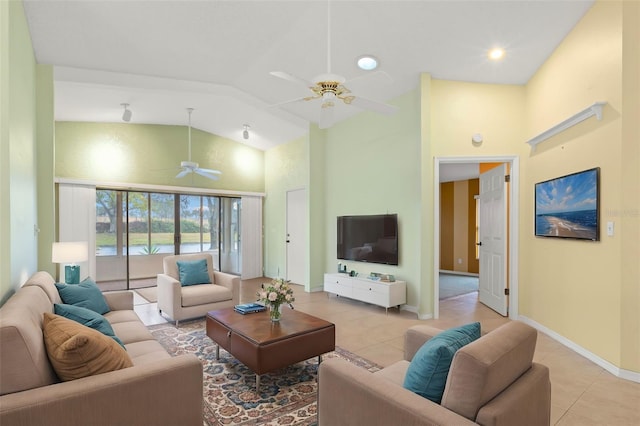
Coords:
pixel 182 302
pixel 492 381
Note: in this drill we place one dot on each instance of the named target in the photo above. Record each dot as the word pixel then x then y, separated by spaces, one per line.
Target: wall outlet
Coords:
pixel 459 261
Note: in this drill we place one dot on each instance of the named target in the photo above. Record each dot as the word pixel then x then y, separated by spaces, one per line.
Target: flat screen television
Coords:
pixel 569 206
pixel 370 238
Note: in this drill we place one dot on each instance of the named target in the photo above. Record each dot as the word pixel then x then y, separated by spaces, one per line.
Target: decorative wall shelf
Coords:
pixel 595 109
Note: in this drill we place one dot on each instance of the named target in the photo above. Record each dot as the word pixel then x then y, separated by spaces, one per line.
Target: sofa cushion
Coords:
pixel 428 370
pixel 77 351
pixel 197 295
pixel 132 331
pixel 193 272
pixel 87 317
pixel 86 294
pixel 483 369
pixel 45 281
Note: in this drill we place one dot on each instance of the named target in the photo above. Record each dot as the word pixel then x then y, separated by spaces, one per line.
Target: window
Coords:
pixel 135 230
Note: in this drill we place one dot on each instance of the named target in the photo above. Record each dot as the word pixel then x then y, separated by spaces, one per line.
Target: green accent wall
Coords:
pixel 286 168
pixel 151 154
pixel 21 119
pixel 372 166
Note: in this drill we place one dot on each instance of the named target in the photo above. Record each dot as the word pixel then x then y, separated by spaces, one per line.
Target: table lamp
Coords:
pixel 70 253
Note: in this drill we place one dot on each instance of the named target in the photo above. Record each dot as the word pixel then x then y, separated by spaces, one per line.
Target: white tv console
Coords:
pixel 381 293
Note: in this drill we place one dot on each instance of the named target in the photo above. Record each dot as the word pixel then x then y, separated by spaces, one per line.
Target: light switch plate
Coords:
pixel 610 229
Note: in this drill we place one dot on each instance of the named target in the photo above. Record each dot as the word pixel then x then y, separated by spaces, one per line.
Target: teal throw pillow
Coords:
pixel 86 295
pixel 429 368
pixel 193 272
pixel 88 318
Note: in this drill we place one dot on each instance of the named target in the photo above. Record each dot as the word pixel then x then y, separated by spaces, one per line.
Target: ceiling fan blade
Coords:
pixel 326 115
pixel 290 101
pixel 215 172
pixel 206 174
pixel 372 105
pixel 293 78
pixel 183 173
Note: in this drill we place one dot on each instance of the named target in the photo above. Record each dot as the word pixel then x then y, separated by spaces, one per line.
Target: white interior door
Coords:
pixel 493 239
pixel 296 235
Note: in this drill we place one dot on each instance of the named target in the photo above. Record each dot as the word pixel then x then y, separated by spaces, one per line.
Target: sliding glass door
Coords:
pixel 136 230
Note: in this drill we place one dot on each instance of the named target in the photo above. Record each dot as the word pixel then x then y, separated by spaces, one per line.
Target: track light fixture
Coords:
pixel 245 132
pixel 126 115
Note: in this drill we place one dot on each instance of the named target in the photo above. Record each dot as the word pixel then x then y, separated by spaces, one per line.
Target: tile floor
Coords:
pixel 582 393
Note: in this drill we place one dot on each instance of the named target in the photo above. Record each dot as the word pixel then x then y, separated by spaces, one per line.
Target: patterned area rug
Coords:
pixel 287 396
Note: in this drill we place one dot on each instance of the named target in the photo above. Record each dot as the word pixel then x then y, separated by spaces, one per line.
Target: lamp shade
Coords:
pixel 70 252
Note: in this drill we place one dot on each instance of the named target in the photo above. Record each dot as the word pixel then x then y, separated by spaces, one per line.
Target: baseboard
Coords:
pixel 632 376
pixel 317 289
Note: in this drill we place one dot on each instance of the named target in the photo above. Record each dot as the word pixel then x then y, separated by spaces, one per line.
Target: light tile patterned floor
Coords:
pixel 582 393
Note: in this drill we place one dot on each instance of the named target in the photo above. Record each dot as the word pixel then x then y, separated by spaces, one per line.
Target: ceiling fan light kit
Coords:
pixel 329 87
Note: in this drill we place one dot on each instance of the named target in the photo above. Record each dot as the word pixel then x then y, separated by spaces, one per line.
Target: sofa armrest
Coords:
pixel 345 389
pixel 119 300
pixel 415 337
pixel 230 281
pixel 169 294
pixel 140 395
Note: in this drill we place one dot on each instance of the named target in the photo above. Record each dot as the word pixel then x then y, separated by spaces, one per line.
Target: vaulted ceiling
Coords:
pixel 162 57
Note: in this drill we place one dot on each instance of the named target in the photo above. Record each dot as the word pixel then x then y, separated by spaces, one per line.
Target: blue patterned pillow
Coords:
pixel 87 317
pixel 193 272
pixel 86 295
pixel 429 368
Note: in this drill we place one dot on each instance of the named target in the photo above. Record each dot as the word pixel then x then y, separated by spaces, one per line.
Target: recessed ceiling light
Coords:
pixel 367 63
pixel 496 53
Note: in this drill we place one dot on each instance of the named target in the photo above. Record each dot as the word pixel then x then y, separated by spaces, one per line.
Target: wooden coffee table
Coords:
pixel 265 346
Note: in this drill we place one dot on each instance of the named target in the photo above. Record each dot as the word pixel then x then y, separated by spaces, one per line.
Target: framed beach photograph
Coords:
pixel 569 206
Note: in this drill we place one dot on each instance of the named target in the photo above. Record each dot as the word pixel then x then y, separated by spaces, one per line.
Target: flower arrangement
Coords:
pixel 274 295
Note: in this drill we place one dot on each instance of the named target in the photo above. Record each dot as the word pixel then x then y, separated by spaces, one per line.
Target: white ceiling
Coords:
pixel 215 56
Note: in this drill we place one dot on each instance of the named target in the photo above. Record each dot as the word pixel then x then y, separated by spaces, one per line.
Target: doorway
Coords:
pixel 512 219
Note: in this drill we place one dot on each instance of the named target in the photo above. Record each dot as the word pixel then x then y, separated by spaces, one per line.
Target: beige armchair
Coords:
pixel 183 302
pixel 492 381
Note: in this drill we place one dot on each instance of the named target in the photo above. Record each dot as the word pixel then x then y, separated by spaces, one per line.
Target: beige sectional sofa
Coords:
pixel 157 390
pixel 492 381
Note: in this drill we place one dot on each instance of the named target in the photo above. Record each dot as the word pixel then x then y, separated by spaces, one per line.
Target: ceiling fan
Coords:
pixel 330 88
pixel 192 167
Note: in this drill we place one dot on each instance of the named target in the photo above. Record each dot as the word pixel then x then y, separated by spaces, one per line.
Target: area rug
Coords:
pixel 286 397
pixel 452 285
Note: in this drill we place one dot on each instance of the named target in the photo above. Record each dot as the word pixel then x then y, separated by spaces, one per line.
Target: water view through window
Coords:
pixel 135 230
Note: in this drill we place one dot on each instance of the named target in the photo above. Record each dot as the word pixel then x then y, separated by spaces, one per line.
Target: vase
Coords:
pixel 274 312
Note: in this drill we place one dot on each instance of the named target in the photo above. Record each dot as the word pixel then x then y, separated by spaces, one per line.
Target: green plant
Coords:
pixel 149 249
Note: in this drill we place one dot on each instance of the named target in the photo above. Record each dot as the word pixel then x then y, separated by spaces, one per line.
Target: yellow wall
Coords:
pixel 629 216
pixel 575 288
